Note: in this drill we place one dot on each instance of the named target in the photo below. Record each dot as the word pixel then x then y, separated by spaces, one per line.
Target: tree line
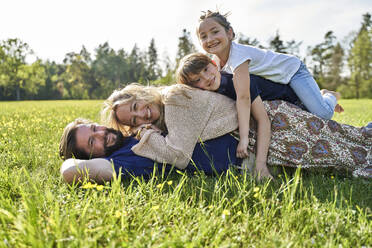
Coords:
pixel 342 66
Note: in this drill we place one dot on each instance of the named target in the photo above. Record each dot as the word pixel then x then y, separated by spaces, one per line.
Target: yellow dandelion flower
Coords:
pixel 155 207
pixel 226 212
pixel 170 182
pixel 239 213
pixel 99 187
pixel 159 186
pixel 256 189
pixel 256 195
pixel 88 185
pixel 117 213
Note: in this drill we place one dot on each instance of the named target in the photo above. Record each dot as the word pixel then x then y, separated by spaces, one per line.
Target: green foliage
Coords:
pixel 185 46
pixel 37 209
pixel 94 76
pixel 360 63
pixel 278 45
pixel 15 74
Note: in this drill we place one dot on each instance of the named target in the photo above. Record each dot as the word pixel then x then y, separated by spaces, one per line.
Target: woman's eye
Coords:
pixel 135 106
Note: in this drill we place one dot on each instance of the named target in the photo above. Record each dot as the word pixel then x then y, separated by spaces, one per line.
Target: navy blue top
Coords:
pixel 267 89
pixel 212 156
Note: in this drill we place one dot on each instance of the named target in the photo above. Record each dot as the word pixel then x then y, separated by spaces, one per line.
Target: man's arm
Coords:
pixel 97 170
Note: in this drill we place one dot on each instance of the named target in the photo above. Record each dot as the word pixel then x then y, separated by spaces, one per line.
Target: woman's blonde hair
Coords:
pixel 134 91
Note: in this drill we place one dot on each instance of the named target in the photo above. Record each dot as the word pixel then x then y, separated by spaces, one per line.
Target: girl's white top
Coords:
pixel 277 67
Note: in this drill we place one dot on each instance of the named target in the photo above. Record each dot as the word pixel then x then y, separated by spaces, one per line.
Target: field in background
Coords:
pixel 299 209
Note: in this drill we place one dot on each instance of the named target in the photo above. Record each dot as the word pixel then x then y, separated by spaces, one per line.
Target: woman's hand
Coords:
pixel 138 131
pixel 242 149
pixel 261 171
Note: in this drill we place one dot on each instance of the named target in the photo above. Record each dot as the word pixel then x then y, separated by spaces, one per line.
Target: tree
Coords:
pixel 321 55
pixel 248 41
pixel 137 68
pixel 278 45
pixel 110 69
pixel 185 46
pixel 360 63
pixel 153 69
pixel 335 68
pixel 81 81
pixel 15 74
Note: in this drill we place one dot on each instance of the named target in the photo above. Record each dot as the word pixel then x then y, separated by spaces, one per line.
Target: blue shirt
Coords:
pixel 266 89
pixel 212 156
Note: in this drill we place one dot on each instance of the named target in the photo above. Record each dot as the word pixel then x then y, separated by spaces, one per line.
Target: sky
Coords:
pixel 53 28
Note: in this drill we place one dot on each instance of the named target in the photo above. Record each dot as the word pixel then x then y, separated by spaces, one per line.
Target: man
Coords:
pixel 99 152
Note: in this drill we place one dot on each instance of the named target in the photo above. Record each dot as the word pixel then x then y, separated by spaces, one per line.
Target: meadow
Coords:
pixel 298 209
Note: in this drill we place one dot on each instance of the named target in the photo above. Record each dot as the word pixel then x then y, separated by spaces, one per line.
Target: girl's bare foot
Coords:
pixel 339 108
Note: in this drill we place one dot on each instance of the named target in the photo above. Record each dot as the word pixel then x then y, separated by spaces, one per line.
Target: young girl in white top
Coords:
pixel 216 34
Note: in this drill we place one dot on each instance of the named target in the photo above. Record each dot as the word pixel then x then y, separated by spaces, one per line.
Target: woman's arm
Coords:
pixel 263 137
pixel 205 115
pixel 97 170
pixel 243 105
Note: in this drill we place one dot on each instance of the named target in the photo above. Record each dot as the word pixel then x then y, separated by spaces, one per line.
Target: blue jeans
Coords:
pixel 307 90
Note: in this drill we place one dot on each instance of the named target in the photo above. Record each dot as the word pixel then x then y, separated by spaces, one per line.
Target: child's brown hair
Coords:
pixel 219 18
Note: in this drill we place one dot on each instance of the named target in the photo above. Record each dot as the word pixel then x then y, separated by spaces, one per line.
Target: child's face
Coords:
pixel 207 79
pixel 213 36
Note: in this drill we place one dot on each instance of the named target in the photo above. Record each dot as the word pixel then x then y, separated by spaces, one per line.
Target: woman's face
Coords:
pixel 137 112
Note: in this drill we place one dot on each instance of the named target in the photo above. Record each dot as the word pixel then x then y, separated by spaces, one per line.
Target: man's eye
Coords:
pixel 215 32
pixel 135 106
pixel 134 122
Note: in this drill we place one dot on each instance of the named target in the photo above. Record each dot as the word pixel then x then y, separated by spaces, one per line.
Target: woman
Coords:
pixel 187 115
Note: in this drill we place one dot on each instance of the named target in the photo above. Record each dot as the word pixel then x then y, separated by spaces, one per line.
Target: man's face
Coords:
pixel 98 141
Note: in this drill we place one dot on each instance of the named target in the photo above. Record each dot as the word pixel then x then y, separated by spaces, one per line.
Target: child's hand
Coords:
pixel 261 171
pixel 241 150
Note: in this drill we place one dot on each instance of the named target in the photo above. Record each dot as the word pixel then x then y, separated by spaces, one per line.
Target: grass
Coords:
pixel 37 209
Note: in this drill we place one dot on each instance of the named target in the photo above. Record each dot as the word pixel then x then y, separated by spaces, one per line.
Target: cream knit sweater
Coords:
pixel 195 116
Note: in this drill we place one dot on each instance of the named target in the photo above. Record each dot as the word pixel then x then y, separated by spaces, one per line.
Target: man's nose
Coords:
pixel 100 133
pixel 100 128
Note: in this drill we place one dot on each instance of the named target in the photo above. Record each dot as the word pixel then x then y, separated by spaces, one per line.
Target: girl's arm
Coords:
pixel 76 170
pixel 243 105
pixel 263 137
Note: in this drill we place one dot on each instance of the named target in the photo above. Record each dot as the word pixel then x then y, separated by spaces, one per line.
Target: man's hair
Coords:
pixel 219 18
pixel 191 64
pixel 67 144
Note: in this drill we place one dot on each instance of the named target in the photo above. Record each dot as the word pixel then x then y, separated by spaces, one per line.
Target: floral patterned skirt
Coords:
pixel 300 138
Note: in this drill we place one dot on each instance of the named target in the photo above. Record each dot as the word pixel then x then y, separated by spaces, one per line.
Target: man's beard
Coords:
pixel 119 142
